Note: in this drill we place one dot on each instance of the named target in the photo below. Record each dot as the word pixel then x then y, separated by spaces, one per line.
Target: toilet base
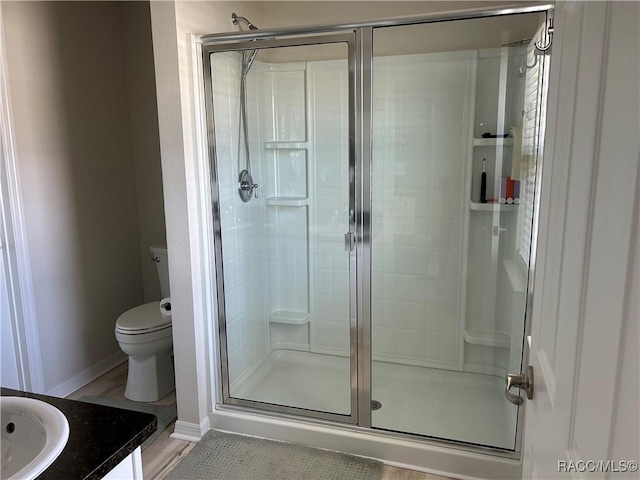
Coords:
pixel 150 378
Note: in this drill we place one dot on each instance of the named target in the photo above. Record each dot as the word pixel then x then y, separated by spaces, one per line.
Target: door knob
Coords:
pixel 523 381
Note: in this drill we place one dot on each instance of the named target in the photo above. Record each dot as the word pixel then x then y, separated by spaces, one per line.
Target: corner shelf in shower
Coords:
pixel 492 142
pixel 287 201
pixel 490 207
pixel 487 338
pixel 286 145
pixel 291 318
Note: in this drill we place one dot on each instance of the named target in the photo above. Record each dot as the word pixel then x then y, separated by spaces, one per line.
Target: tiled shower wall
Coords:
pixel 421 110
pixel 243 245
pixel 421 128
pixel 420 113
pixel 329 128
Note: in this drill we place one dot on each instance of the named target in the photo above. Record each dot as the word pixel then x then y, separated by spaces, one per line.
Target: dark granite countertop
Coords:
pixel 99 437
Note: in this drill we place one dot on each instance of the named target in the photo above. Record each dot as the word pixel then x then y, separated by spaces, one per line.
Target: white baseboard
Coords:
pixel 88 375
pixel 191 432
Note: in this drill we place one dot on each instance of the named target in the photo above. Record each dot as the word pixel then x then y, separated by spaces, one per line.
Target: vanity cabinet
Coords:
pixel 104 442
pixel 128 469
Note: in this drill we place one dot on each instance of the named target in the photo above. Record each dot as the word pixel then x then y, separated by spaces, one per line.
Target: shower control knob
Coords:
pixel 254 186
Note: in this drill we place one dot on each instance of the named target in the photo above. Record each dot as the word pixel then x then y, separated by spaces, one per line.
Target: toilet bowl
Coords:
pixel 145 335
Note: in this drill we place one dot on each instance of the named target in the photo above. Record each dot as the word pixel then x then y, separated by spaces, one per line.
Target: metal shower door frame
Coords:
pixel 359 37
pixel 353 56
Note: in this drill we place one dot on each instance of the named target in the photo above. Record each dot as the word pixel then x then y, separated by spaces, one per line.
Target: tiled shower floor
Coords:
pixel 447 404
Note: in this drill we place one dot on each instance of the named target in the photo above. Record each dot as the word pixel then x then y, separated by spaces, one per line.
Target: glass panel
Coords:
pixel 286 271
pixel 450 235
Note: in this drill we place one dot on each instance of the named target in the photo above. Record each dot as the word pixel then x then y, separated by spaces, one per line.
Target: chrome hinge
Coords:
pixel 547 34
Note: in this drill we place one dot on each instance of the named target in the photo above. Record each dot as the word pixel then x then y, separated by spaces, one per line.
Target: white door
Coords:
pixel 584 338
pixel 19 345
pixel 9 373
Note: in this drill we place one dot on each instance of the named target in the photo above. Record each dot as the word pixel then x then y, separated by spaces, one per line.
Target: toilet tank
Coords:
pixel 159 256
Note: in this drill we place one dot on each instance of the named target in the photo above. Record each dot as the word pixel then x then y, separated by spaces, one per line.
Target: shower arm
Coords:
pixel 235 18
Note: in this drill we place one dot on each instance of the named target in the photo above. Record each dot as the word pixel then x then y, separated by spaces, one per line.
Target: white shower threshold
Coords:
pixel 447 415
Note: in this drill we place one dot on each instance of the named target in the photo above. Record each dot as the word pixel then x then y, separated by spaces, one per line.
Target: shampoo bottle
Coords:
pixel 483 182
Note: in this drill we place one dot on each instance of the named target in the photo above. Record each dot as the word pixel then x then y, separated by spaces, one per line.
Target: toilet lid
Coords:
pixel 145 317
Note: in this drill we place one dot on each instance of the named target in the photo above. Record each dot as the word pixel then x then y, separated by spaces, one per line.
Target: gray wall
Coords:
pixel 145 141
pixel 84 143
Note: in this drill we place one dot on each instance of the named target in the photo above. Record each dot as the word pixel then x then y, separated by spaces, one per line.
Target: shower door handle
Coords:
pixel 349 241
pixel 523 381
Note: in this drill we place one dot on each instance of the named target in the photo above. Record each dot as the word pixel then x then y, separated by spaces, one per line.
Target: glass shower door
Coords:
pixel 455 107
pixel 283 130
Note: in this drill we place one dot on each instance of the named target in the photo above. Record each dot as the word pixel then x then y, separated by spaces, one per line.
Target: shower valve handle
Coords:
pixel 248 186
pixel 254 186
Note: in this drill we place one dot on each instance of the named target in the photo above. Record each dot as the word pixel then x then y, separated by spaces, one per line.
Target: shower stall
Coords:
pixel 374 206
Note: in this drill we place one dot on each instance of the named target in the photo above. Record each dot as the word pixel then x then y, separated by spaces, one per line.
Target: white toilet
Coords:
pixel 145 334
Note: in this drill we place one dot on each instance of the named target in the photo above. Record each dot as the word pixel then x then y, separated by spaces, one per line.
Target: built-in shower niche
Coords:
pixel 284 174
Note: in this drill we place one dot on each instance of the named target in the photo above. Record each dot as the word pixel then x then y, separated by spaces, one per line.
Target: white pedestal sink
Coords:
pixel 33 434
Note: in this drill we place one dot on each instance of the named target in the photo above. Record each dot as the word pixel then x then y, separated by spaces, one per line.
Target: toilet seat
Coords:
pixel 142 319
